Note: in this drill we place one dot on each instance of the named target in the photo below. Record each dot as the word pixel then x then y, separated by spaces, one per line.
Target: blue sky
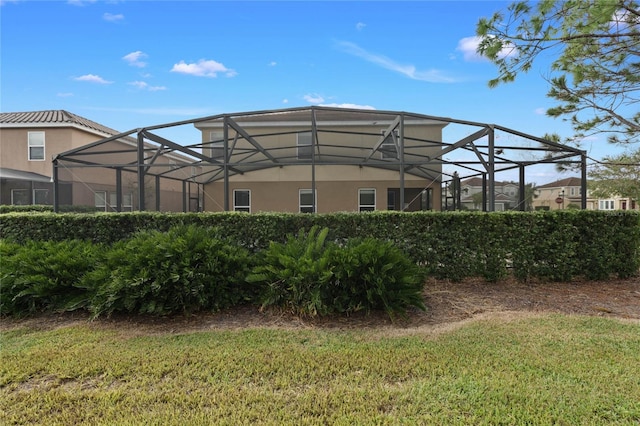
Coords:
pixel 130 64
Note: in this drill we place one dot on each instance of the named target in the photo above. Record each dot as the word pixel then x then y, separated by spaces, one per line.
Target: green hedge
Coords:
pixel 191 268
pixel 557 246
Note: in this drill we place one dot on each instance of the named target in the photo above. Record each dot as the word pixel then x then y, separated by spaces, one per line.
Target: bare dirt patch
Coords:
pixel 447 303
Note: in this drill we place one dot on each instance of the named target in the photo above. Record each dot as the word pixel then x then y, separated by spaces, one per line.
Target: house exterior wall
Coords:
pixel 546 198
pixel 277 187
pixel 78 186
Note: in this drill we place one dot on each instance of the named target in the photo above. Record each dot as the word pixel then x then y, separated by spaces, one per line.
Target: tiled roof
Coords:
pixel 52 117
pixel 571 181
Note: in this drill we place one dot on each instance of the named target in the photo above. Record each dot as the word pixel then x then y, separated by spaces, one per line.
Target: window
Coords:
pixel 366 200
pixel 307 201
pixel 606 205
pixel 100 199
pixel 127 205
pixel 305 148
pixel 388 149
pixel 242 200
pixel 573 191
pixel 20 197
pixel 391 199
pixel 41 196
pixel 216 145
pixel 36 146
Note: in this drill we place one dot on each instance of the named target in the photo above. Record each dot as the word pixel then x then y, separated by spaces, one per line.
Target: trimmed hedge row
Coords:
pixel 190 268
pixel 557 246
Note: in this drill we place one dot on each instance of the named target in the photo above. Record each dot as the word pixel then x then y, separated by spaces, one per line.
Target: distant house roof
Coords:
pixel 53 118
pixel 476 181
pixel 571 181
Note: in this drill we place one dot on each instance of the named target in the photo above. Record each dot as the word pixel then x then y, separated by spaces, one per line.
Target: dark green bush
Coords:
pixel 295 275
pixel 371 274
pixel 185 269
pixel 45 276
pixel 310 276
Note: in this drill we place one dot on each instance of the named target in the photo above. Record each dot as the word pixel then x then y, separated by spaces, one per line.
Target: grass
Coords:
pixel 551 369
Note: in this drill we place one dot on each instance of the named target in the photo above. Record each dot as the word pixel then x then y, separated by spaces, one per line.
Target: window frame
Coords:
pixel 19 190
pixel 385 153
pixel 215 145
pixel 34 198
pixel 32 144
pixel 307 191
pixel 606 204
pixel 366 207
pixel 127 201
pixel 304 146
pixel 104 199
pixel 241 208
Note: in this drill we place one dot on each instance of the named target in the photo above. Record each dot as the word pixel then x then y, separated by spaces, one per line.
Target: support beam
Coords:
pixel 229 121
pixel 401 158
pixel 521 189
pixel 158 193
pixel 141 172
pixel 388 131
pixel 119 189
pixel 464 141
pixel 225 143
pixel 484 192
pixel 583 181
pixel 56 187
pixel 491 173
pixel 314 142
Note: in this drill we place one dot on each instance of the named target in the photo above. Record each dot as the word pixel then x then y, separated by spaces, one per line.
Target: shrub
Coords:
pixel 294 275
pixel 310 276
pixel 44 276
pixel 371 274
pixel 186 269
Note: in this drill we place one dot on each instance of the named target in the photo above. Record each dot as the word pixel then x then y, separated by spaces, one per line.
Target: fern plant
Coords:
pixel 294 275
pixel 44 276
pixel 310 276
pixel 185 269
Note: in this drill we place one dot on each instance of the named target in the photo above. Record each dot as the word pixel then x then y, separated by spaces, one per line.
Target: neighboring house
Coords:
pixel 279 162
pixel 560 194
pixel 565 193
pixel 28 143
pixel 506 194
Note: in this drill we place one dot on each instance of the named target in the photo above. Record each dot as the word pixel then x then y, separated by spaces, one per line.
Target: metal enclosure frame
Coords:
pixel 150 151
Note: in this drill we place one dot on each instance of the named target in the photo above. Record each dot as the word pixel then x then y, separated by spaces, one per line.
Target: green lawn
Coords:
pixel 551 369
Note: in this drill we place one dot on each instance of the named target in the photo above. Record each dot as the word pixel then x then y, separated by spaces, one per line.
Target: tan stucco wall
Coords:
pixel 332 195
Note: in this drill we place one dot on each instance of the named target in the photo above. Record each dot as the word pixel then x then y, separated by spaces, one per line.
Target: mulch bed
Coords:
pixel 447 302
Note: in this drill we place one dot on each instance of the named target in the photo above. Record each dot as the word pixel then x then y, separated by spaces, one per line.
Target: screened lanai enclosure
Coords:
pixel 308 159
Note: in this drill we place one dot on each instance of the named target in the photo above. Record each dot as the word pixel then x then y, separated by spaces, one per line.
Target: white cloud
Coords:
pixel 80 2
pixel 145 86
pixel 110 17
pixel 360 26
pixel 313 98
pixel 92 78
pixel 540 111
pixel 353 106
pixel 272 63
pixel 203 68
pixel 64 94
pixel 285 101
pixel 135 59
pixel 469 46
pixel 432 75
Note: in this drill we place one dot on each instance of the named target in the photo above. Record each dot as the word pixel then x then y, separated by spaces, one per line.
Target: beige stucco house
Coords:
pixel 566 193
pixel 331 162
pixel 30 140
